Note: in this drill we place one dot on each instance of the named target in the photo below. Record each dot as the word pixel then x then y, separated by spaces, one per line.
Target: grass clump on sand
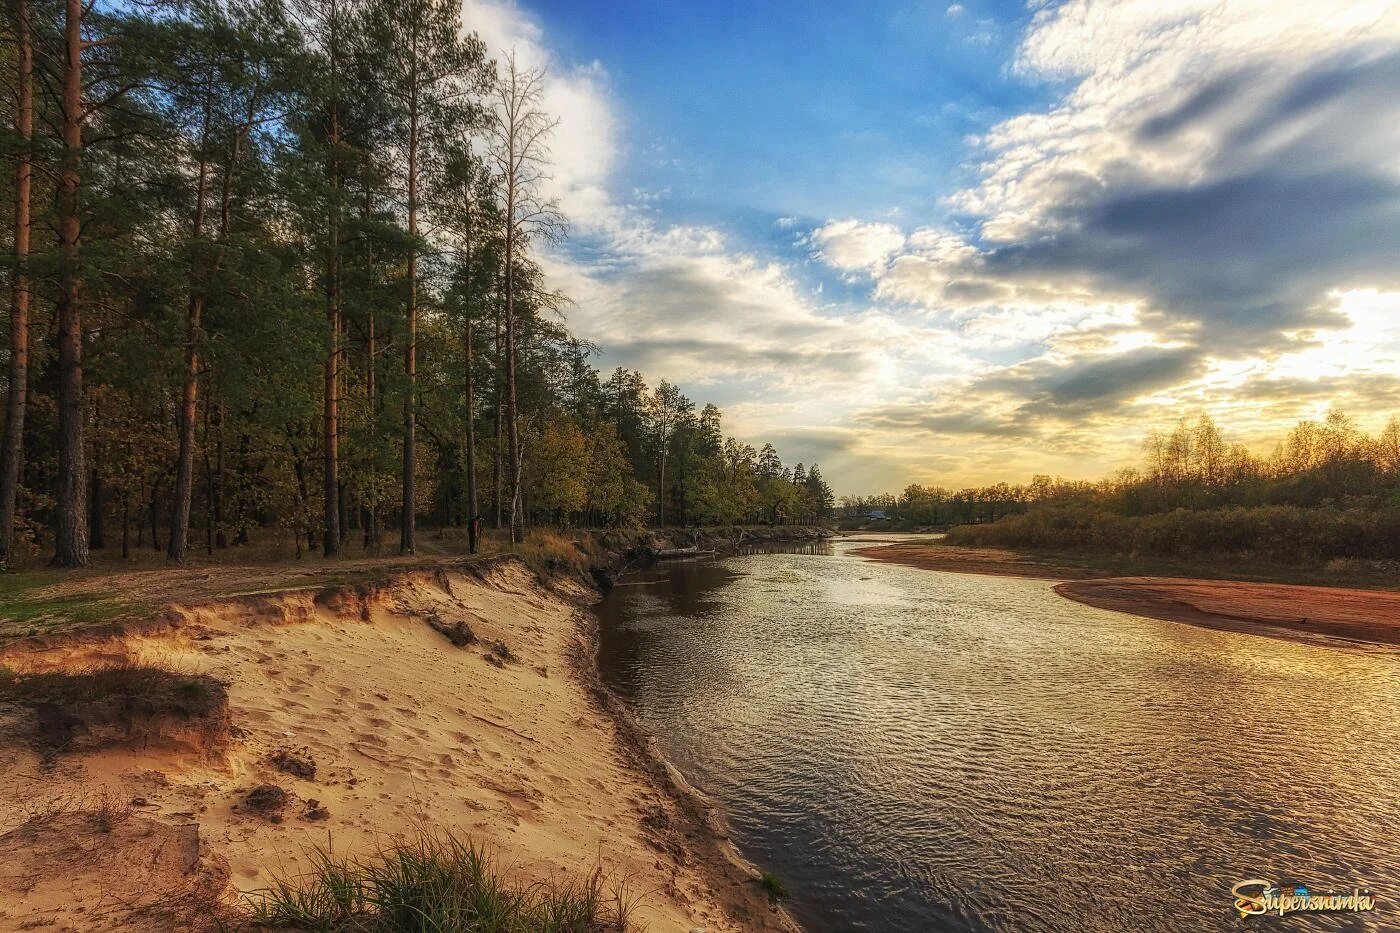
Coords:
pixel 436 882
pixel 777 892
pixel 116 689
pixel 552 554
pixel 106 704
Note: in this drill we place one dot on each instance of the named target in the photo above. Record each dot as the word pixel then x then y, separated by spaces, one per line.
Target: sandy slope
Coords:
pixel 405 729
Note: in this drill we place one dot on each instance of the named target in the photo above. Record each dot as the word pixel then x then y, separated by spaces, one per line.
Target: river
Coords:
pixel 909 750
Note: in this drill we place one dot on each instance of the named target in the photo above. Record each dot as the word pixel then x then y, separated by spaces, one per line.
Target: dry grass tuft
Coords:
pixel 108 704
pixel 438 881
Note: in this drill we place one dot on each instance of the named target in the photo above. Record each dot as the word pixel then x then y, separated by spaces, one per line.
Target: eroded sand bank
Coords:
pixel 515 748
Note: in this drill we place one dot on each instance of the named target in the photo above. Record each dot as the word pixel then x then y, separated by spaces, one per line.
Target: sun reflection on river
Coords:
pixel 911 750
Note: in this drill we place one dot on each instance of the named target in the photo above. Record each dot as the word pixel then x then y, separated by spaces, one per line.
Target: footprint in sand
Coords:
pixel 374 754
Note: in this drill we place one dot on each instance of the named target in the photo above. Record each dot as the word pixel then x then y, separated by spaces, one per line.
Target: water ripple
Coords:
pixel 924 751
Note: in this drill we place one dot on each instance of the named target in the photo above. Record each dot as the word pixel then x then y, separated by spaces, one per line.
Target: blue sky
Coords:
pixel 957 243
pixel 745 112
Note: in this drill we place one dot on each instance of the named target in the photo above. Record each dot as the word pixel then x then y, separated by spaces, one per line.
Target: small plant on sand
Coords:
pixel 113 702
pixel 437 881
pixel 268 801
pixel 119 688
pixel 500 654
pixel 296 762
pixel 776 891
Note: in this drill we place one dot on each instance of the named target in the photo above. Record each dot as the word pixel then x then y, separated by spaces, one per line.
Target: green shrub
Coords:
pixel 1284 533
pixel 776 891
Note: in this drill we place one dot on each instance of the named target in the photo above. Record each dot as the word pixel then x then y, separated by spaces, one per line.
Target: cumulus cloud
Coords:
pixel 585 145
pixel 684 302
pixel 1208 217
pixel 1197 220
pixel 1227 164
pixel 853 246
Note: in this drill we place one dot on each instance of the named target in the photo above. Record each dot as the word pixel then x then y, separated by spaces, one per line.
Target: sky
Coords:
pixel 963 243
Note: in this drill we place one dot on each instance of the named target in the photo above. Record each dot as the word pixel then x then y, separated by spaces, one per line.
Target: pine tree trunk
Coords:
pixel 372 406
pixel 332 409
pixel 184 466
pixel 410 414
pixel 184 477
pixel 70 531
pixel 512 423
pixel 97 536
pixel 471 402
pixel 217 494
pixel 471 443
pixel 189 395
pixel 12 445
pixel 499 420
pixel 331 421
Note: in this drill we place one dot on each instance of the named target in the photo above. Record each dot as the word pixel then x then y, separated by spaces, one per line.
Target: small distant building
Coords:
pixel 878 515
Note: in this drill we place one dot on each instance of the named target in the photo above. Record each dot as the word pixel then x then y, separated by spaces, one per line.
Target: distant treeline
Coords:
pixel 272 265
pixel 1328 490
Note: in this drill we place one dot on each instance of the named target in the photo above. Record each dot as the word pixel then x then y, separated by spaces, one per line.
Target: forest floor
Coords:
pixel 361 701
pixel 1264 599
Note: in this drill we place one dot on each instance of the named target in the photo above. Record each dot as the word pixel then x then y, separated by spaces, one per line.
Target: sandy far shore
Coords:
pixel 1300 613
pixel 515 747
pixel 993 561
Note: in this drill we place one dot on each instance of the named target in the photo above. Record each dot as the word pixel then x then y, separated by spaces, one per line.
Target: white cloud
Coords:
pixel 585 146
pixel 1062 307
pixel 683 302
pixel 853 246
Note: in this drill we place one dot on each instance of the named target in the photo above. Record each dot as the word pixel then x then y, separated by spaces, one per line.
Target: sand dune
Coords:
pixel 506 742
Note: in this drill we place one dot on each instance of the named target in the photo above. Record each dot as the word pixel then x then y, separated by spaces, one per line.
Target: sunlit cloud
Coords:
pixel 1207 217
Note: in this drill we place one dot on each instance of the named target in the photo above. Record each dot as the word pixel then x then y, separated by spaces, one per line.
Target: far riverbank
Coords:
pixel 1279 610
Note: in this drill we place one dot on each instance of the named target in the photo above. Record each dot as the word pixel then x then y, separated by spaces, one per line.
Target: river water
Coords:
pixel 911 750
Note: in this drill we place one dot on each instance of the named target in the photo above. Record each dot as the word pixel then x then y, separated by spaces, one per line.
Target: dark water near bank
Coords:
pixel 910 750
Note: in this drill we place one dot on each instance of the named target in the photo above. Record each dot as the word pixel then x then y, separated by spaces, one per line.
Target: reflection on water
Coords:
pixel 911 750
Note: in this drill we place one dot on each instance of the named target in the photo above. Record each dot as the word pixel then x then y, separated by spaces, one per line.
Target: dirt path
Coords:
pixel 1279 610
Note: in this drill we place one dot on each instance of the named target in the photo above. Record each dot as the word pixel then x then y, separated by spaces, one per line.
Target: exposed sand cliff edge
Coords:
pixel 464 696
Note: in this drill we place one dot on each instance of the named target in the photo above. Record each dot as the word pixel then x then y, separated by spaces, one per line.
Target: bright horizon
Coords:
pixel 963 243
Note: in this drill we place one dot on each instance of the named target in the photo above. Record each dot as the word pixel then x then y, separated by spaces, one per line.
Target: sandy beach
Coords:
pixel 508 739
pixel 1302 613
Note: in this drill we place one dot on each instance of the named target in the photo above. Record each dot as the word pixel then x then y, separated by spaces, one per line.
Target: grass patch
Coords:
pixel 551 554
pixel 777 892
pixel 105 704
pixel 437 881
pixel 26 609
